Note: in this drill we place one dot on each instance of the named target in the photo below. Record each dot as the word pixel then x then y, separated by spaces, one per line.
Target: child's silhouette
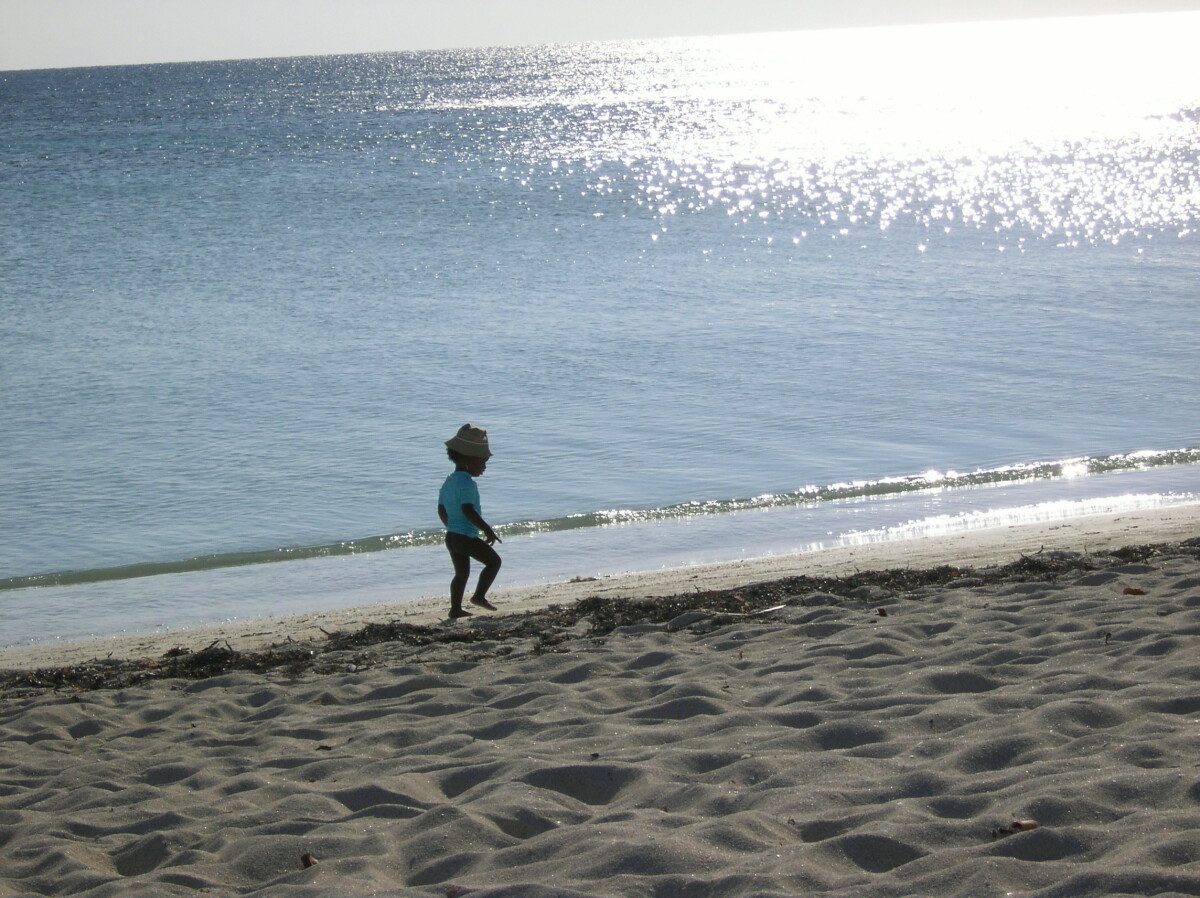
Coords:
pixel 459 508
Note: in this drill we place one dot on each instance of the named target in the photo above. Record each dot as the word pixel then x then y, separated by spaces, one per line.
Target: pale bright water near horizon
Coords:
pixel 712 297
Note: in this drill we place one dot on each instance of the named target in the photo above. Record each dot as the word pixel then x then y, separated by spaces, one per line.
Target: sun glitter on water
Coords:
pixel 1070 131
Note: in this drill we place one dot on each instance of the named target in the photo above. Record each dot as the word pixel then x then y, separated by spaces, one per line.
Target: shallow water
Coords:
pixel 171 601
pixel 243 303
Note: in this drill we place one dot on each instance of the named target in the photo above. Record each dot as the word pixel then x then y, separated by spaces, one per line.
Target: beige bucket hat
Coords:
pixel 470 440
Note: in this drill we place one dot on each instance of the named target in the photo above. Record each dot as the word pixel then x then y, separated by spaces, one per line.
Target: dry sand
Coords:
pixel 821 748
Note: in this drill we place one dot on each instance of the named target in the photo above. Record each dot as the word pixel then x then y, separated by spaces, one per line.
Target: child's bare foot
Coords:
pixel 483 603
pixel 456 613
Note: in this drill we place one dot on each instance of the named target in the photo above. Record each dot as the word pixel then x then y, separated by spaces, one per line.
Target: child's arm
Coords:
pixel 442 514
pixel 476 518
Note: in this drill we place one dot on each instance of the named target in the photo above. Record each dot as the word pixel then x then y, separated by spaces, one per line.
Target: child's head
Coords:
pixel 472 464
pixel 469 450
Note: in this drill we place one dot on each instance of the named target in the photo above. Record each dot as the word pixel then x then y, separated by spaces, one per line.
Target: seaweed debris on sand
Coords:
pixel 549 628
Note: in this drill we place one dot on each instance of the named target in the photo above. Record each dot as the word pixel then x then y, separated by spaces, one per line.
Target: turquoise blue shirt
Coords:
pixel 459 490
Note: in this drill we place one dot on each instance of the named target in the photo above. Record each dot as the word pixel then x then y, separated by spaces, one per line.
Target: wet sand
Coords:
pixel 977 548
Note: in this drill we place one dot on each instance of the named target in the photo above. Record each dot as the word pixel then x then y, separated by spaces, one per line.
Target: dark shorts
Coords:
pixel 463 548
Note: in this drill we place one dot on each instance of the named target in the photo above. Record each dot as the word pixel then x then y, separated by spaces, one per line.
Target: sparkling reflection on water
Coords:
pixel 1072 130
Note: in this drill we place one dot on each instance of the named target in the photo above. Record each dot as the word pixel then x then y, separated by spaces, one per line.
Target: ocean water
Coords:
pixel 712 297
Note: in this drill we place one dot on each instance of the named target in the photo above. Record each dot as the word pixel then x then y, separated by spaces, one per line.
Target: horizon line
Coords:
pixel 931 23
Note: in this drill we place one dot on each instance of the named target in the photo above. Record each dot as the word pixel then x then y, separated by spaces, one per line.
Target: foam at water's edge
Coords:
pixel 1040 513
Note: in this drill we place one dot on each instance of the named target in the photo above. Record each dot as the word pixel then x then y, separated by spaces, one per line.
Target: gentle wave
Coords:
pixel 1081 466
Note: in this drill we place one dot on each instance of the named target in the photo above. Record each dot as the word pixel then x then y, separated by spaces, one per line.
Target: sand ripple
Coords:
pixel 823 749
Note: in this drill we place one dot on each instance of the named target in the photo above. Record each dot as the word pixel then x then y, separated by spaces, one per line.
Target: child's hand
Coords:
pixel 492 537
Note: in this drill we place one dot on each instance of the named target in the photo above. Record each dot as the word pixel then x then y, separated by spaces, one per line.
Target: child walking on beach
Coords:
pixel 460 511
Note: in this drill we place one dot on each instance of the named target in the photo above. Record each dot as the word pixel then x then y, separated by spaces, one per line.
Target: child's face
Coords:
pixel 476 466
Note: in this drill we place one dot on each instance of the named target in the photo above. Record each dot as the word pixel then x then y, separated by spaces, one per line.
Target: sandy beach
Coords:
pixel 1028 727
pixel 828 371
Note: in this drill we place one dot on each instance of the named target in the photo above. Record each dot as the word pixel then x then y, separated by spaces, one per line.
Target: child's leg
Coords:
pixel 491 567
pixel 458 585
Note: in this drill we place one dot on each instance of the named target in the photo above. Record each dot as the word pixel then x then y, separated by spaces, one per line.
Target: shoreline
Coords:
pixel 1028 728
pixel 973 549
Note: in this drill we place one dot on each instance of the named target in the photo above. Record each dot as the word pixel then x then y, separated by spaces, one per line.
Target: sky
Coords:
pixel 62 33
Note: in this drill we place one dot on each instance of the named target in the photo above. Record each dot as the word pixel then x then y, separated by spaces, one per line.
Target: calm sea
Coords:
pixel 711 297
